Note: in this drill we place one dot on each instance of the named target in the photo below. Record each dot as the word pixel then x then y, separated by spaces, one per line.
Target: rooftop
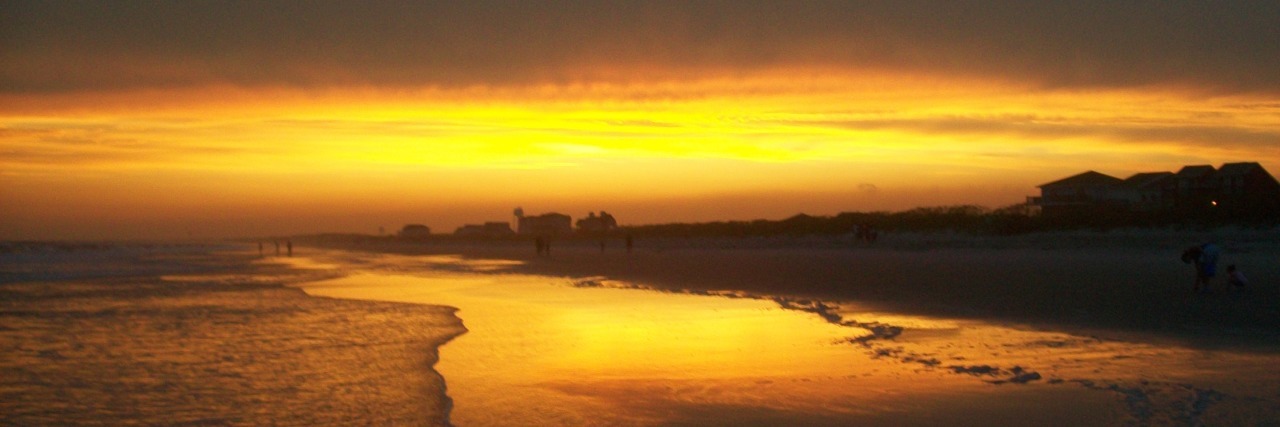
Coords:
pixel 1086 178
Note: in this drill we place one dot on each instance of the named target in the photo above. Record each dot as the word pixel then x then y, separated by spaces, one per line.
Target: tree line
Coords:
pixel 1010 220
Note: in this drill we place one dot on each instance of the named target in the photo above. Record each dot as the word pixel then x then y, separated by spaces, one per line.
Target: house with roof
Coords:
pixel 414 231
pixel 1195 187
pixel 1243 189
pixel 597 224
pixel 548 224
pixel 1147 191
pixel 1247 188
pixel 1082 193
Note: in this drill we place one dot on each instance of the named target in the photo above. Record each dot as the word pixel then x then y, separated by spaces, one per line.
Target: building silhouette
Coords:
pixel 488 229
pixel 602 223
pixel 1242 190
pixel 548 224
pixel 415 230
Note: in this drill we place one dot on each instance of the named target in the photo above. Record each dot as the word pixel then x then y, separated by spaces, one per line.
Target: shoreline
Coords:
pixel 209 335
pixel 366 350
pixel 982 357
pixel 1127 286
pixel 525 362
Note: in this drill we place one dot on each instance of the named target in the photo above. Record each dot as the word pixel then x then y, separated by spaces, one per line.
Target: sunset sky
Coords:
pixel 212 119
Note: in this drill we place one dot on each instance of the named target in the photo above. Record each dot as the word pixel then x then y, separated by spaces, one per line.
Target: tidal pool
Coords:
pixel 560 351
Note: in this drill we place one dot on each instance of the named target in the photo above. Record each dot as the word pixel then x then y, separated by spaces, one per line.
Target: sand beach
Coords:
pixel 1053 329
pixel 1116 283
pixel 1076 328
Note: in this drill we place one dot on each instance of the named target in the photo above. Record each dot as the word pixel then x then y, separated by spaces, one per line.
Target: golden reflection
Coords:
pixel 542 351
pixel 627 333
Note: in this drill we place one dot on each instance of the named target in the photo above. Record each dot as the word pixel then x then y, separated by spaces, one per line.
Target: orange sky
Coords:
pixel 178 139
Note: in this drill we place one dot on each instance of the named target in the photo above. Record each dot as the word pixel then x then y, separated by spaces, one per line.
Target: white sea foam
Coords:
pixel 47 261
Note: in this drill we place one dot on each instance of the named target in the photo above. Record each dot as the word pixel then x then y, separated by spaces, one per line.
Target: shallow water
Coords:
pixel 123 340
pixel 542 350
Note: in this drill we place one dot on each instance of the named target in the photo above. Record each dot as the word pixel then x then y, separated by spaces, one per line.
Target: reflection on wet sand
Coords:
pixel 541 350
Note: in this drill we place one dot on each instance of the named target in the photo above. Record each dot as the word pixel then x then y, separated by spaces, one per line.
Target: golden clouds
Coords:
pixel 759 119
pixel 405 105
pixel 813 134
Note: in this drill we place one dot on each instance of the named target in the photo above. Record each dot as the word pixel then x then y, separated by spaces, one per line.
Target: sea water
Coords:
pixel 109 334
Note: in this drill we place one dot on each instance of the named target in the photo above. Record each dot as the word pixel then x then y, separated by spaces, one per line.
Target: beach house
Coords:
pixel 415 230
pixel 1243 189
pixel 1246 188
pixel 597 224
pixel 1084 193
pixel 548 224
pixel 1146 192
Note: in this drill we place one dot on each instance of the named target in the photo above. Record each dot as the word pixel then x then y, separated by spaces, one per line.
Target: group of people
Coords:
pixel 543 244
pixel 288 244
pixel 1205 258
pixel 866 233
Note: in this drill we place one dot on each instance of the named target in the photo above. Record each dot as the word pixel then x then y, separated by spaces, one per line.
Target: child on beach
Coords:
pixel 1235 277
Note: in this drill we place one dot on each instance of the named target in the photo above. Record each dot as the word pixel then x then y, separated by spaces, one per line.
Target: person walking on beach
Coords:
pixel 543 245
pixel 1209 262
pixel 289 243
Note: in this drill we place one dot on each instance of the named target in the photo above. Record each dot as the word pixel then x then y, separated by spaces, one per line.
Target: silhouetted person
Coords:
pixel 1209 262
pixel 1192 256
pixel 1205 259
pixel 289 243
pixel 865 233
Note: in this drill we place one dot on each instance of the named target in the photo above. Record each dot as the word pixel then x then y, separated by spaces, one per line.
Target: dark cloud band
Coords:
pixel 73 46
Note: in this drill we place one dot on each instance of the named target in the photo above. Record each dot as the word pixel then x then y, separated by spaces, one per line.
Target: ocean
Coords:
pixel 186 334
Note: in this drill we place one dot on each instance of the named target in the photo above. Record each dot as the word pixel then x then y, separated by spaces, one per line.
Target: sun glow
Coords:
pixel 770 133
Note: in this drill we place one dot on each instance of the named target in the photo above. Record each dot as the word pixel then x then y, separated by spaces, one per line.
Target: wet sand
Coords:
pixel 597 351
pixel 541 351
pixel 1119 285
